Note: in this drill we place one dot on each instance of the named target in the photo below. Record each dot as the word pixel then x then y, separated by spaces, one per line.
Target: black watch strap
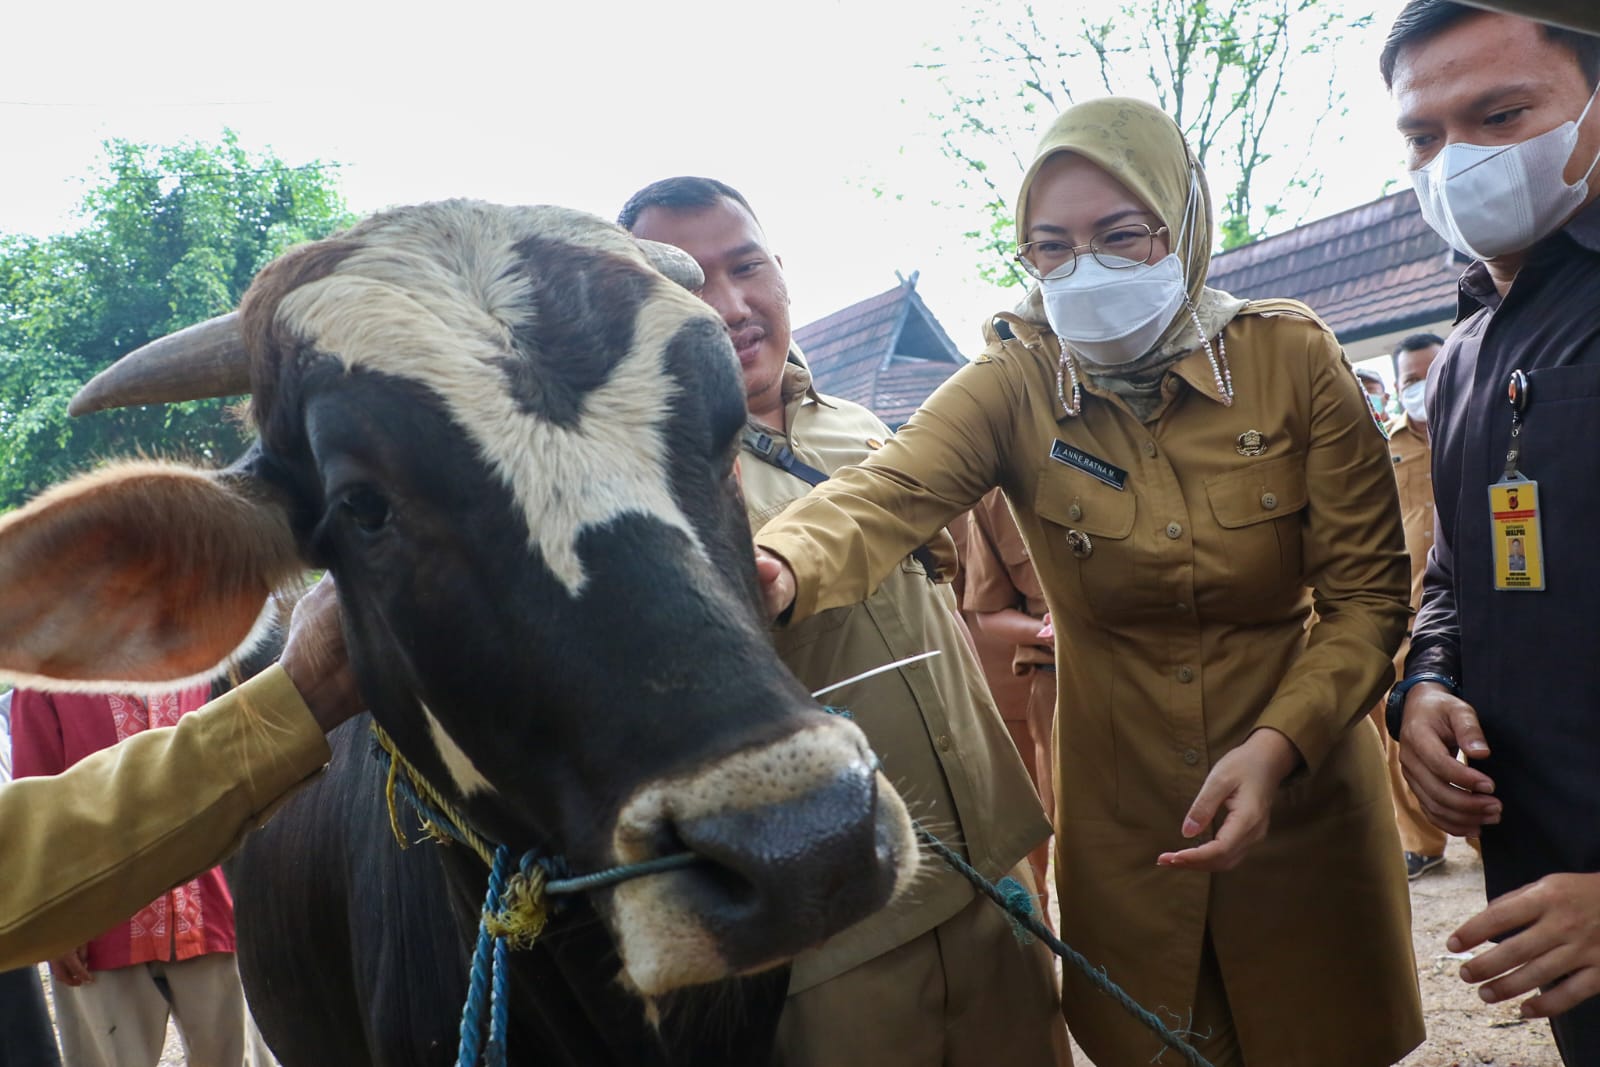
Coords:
pixel 1394 708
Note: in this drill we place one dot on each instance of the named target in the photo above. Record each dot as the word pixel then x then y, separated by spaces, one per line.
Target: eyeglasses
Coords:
pixel 1118 248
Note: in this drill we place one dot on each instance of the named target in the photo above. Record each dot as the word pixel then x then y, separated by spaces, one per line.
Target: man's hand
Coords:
pixel 315 659
pixel 1455 797
pixel 1559 943
pixel 777 583
pixel 73 968
pixel 1244 782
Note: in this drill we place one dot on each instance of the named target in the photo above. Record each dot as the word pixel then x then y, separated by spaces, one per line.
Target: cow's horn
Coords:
pixel 204 360
pixel 674 262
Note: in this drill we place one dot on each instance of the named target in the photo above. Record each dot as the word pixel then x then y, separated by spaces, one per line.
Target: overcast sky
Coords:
pixel 806 107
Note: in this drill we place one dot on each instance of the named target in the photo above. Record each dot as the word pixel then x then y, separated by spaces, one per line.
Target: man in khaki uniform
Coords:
pixel 1003 596
pixel 1422 841
pixel 938 979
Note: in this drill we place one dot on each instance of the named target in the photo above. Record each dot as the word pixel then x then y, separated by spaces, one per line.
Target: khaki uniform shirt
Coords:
pixel 932 723
pixel 1180 557
pixel 1000 575
pixel 1413 477
pixel 85 849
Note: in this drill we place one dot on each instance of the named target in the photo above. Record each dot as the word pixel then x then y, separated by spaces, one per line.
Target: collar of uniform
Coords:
pixel 1402 429
pixel 797 379
pixel 1585 227
pixel 1475 291
pixel 1195 368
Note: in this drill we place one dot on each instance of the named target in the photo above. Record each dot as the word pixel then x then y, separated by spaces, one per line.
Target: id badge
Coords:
pixel 1514 533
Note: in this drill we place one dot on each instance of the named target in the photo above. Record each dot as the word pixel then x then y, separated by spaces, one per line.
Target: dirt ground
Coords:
pixel 1462 1030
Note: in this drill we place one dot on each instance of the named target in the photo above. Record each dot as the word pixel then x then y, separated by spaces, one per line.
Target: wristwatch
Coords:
pixel 1394 708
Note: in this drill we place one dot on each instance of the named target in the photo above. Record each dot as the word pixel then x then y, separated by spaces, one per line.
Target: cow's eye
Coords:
pixel 366 508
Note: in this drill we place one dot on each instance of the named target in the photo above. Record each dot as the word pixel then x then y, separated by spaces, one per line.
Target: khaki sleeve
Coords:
pixel 86 848
pixel 1355 562
pixel 845 536
pixel 989 585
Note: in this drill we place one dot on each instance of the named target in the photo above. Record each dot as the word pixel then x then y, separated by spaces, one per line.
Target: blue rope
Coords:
pixel 487 956
pixel 616 875
pixel 499 1008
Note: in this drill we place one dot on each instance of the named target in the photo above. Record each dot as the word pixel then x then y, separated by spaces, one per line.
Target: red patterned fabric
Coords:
pixel 52 731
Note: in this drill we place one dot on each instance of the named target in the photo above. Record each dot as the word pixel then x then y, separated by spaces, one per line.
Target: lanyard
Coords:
pixel 1517 397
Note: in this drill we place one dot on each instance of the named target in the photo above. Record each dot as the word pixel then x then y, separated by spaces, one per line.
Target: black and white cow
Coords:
pixel 513 443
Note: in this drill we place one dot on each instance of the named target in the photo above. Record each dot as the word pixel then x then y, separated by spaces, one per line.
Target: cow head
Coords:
pixel 513 443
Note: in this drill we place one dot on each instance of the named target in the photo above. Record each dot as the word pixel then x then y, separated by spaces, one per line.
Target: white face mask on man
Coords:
pixel 1491 200
pixel 1411 400
pixel 1112 317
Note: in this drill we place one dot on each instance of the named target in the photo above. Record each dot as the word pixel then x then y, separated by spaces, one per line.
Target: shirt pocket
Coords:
pixel 1260 510
pixel 1552 385
pixel 1087 526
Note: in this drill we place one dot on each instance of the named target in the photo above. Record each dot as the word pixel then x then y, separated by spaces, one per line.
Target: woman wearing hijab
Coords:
pixel 1196 476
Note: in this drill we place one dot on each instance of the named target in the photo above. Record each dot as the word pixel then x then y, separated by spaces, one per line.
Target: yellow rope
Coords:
pixel 523 912
pixel 427 792
pixel 389 785
pixel 522 915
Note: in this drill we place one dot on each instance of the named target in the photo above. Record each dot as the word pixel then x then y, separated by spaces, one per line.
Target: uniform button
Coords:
pixel 1174 530
pixel 944 742
pixel 1150 449
pixel 1075 512
pixel 1269 500
pixel 1191 757
pixel 1185 674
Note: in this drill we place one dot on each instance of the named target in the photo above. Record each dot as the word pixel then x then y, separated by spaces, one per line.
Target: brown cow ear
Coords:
pixel 140 574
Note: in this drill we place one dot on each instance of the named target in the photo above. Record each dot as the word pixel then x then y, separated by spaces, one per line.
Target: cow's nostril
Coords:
pixel 794 841
pixel 810 865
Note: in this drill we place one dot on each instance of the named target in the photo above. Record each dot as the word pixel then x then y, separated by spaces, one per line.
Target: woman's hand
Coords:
pixel 1244 782
pixel 777 583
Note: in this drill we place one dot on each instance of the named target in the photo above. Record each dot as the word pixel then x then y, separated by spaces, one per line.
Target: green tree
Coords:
pixel 171 236
pixel 1219 67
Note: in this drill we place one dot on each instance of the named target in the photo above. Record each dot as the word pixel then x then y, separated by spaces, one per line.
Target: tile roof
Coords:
pixel 1371 270
pixel 886 353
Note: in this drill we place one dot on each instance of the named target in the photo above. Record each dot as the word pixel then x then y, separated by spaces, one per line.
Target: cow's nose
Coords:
pixel 798 839
pixel 780 877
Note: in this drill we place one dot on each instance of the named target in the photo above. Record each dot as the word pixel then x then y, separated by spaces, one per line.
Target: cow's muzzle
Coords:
pixel 797 839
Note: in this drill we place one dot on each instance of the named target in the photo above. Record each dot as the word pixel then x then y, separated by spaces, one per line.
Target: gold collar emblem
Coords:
pixel 1251 443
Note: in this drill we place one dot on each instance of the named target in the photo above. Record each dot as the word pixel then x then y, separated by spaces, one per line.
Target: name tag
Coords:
pixel 1518 549
pixel 1093 466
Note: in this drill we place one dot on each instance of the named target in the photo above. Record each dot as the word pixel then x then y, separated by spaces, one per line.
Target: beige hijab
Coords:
pixel 1142 148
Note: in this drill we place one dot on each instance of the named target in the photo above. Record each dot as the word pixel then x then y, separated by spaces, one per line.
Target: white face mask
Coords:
pixel 1411 400
pixel 1112 317
pixel 1490 200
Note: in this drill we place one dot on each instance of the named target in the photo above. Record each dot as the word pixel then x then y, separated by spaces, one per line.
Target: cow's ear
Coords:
pixel 138 574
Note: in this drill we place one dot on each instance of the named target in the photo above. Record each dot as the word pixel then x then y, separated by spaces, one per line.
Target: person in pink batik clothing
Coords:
pixel 174 957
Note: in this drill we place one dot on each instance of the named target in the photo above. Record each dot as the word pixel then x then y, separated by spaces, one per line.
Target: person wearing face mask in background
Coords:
pixel 1503 132
pixel 1377 395
pixel 1192 473
pixel 1423 843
